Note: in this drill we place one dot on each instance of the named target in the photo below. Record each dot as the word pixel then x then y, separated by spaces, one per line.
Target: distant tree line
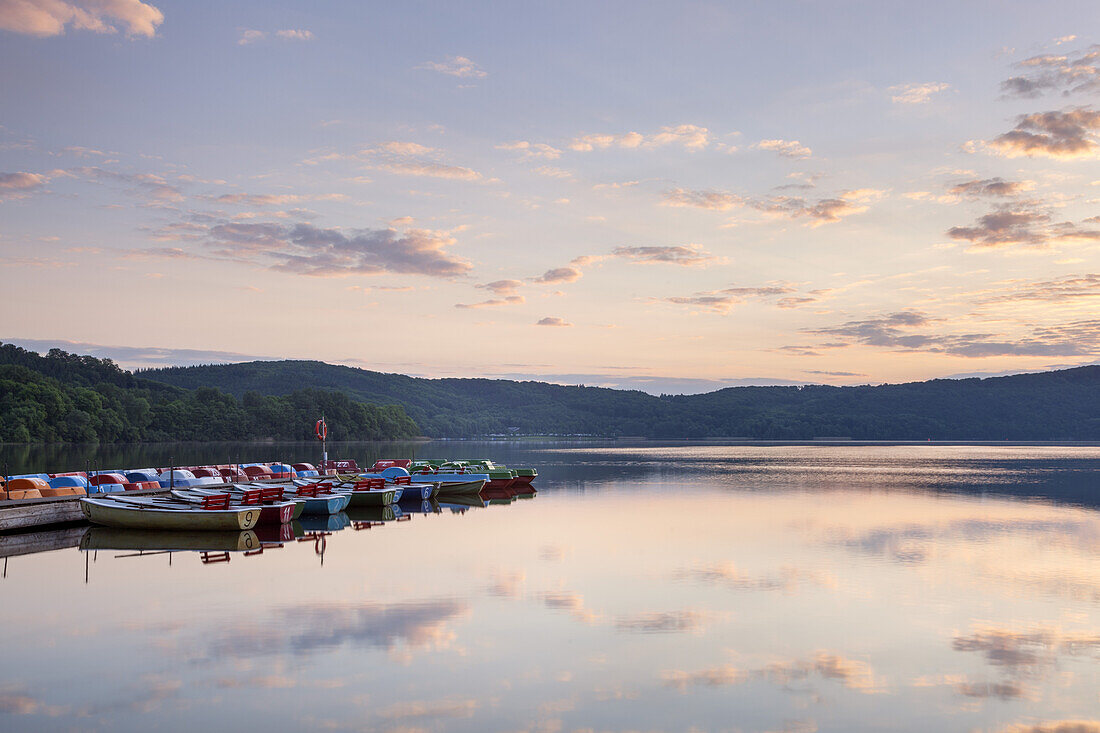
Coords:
pixel 66 398
pixel 1059 405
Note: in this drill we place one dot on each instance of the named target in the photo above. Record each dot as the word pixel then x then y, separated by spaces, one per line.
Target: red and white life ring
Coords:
pixel 321 429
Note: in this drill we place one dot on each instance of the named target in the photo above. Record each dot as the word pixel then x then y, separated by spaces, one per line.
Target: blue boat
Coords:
pixel 144 475
pixel 319 505
pixel 409 491
pixel 80 482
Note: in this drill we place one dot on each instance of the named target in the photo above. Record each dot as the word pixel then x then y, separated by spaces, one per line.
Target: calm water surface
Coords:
pixel 909 588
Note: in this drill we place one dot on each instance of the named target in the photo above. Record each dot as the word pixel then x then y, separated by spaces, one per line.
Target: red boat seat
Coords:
pixel 218 501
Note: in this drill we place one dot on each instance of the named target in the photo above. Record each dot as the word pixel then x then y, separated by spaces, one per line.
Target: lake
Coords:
pixel 645 588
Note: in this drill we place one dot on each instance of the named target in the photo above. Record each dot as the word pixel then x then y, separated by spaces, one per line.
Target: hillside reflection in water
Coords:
pixel 667 588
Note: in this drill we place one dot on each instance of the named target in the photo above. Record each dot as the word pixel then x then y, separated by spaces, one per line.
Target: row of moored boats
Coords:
pixel 241 497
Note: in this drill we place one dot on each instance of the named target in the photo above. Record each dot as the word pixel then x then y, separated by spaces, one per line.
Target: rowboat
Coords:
pixel 500 477
pixel 455 486
pixel 271 512
pixel 362 491
pixel 112 538
pixel 152 513
pixel 371 497
pixel 418 492
pixel 320 504
pixel 459 481
pixel 520 476
pixel 395 472
pixel 319 499
pixel 250 494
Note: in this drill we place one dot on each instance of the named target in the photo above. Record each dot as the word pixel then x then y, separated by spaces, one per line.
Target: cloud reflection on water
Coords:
pixel 787 578
pixel 313 628
pixel 854 674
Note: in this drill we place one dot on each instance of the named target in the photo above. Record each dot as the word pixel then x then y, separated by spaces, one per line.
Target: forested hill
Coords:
pixel 1060 405
pixel 66 398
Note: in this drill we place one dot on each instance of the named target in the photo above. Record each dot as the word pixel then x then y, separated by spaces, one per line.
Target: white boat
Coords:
pixel 271 512
pixel 151 513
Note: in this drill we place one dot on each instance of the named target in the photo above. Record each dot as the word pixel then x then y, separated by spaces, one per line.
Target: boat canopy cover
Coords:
pixel 106 489
pixel 59 481
pixel 27 483
pixel 107 478
pixel 281 468
pixel 180 473
pixel 383 463
pixel 43 476
pixel 138 477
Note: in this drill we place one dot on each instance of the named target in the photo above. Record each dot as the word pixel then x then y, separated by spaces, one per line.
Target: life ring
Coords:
pixel 321 429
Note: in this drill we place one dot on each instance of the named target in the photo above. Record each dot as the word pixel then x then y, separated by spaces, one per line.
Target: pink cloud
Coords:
pixel 45 18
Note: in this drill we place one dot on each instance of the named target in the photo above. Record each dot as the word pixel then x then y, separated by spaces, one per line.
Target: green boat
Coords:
pixel 499 477
pixel 371 498
pixel 520 476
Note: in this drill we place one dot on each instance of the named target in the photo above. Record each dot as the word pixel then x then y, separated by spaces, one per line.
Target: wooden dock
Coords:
pixel 24 514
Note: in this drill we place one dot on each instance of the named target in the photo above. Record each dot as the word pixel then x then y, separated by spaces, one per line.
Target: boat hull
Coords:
pixel 280 513
pixel 450 488
pixel 324 505
pixel 275 513
pixel 417 492
pixel 114 514
pixel 371 498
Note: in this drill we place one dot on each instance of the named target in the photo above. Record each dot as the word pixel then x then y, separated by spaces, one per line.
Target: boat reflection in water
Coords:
pixel 375 514
pixel 214 547
pixel 459 503
pixel 111 538
pixel 321 523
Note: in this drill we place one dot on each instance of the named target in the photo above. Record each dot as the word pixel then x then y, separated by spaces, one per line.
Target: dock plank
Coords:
pixel 21 514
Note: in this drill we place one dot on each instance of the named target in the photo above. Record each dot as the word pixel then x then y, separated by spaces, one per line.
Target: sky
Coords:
pixel 665 196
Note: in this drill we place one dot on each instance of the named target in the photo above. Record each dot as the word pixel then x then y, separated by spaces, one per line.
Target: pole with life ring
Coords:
pixel 321 428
